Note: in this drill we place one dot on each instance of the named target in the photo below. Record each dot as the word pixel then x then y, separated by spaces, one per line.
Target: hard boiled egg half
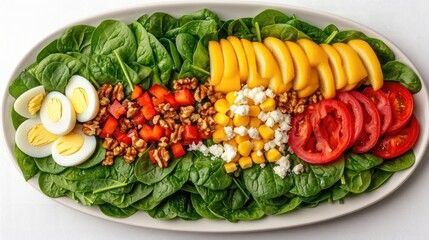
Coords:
pixel 57 114
pixel 29 103
pixel 83 97
pixel 73 148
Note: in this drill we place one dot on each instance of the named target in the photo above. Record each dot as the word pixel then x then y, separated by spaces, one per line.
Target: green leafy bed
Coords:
pixel 157 49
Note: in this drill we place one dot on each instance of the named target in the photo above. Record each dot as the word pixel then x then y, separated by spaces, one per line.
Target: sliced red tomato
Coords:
pixel 394 144
pixel 356 112
pixel 381 102
pixel 322 132
pixel 371 128
pixel 401 102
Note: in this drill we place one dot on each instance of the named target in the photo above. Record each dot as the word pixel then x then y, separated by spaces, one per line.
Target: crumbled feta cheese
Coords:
pixel 263 116
pixel 298 169
pixel 229 132
pixel 270 122
pixel 253 133
pixel 284 162
pixel 241 98
pixel 262 165
pixel 280 171
pixel 283 166
pixel 242 131
pixel 259 98
pixel 199 147
pixel 270 93
pixel 242 110
pixel 284 125
pixel 216 150
pixel 269 145
pixel 280 137
pixel 259 153
pixel 229 153
pixel 277 116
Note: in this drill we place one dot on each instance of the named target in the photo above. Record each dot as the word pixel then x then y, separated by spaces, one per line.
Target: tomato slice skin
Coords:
pixel 401 102
pixel 356 112
pixel 395 144
pixel 322 132
pixel 371 128
pixel 382 103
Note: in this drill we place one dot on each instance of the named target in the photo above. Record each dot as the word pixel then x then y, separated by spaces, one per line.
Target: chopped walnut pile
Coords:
pixel 290 102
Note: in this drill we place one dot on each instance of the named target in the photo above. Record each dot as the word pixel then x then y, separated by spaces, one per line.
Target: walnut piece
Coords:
pixel 91 127
pixel 118 92
pixel 185 114
pixel 176 135
pixel 105 91
pixel 108 160
pixel 206 125
pixel 290 102
pixel 161 156
pixel 206 109
pixel 185 83
pixel 110 143
pixel 130 154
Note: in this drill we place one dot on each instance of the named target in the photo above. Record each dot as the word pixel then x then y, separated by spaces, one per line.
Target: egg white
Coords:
pixel 77 81
pixel 21 103
pixel 68 115
pixel 83 154
pixel 21 140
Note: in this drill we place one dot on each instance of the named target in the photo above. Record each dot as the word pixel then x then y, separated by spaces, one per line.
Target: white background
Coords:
pixel 27 214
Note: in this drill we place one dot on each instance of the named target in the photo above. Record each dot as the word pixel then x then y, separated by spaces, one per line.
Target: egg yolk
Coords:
pixel 79 100
pixel 35 104
pixel 55 109
pixel 69 144
pixel 38 136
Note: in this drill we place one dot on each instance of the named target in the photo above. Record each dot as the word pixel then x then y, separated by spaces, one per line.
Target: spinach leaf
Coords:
pixel 147 204
pixel 283 31
pixel 222 209
pixel 159 23
pixel 48 165
pixel 328 174
pixel 104 69
pixel 162 211
pixel 315 33
pixel 241 28
pixel 16 118
pixel 26 163
pixel 269 17
pixel 344 36
pixel 171 48
pixel 199 28
pixel 210 174
pixel 78 174
pixel 73 64
pixel 116 212
pixel 181 205
pixel 356 182
pixel 202 14
pixel 378 178
pixel 331 28
pixel 149 173
pixel 22 83
pixel 48 186
pixel 263 183
pixel 186 71
pixel 144 50
pixel 339 193
pixel 123 171
pixel 138 192
pixel 88 185
pixel 163 60
pixel 87 199
pixel 75 39
pixel 398 72
pixel 201 59
pixel 48 50
pixel 201 207
pixel 291 205
pixel 399 163
pixel 97 157
pixel 113 35
pixel 209 195
pixel 55 77
pixel 186 45
pixel 362 162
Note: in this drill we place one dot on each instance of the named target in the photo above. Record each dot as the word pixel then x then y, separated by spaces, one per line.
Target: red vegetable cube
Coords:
pixel 116 109
pixel 169 98
pixel 148 111
pixel 144 99
pixel 158 91
pixel 139 119
pixel 178 150
pixel 190 132
pixel 137 92
pixel 146 132
pixel 184 97
pixel 151 157
pixel 157 133
pixel 122 137
pixel 109 127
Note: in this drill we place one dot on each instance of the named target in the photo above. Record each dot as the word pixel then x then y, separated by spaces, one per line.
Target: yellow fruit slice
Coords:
pixel 301 65
pixel 216 62
pixel 241 58
pixel 314 52
pixel 349 87
pixel 370 60
pixel 268 67
pixel 336 64
pixel 313 85
pixel 355 70
pixel 254 79
pixel 284 60
pixel 327 82
pixel 231 77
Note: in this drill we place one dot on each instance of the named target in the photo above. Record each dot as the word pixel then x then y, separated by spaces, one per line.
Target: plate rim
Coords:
pixel 189 226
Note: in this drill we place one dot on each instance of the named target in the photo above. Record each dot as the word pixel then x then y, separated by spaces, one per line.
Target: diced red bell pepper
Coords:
pixel 144 99
pixel 157 133
pixel 137 92
pixel 146 132
pixel 158 91
pixel 122 137
pixel 169 98
pixel 178 150
pixel 202 135
pixel 116 109
pixel 139 119
pixel 148 111
pixel 184 97
pixel 132 133
pixel 168 132
pixel 109 127
pixel 189 142
pixel 151 157
pixel 190 132
pixel 156 101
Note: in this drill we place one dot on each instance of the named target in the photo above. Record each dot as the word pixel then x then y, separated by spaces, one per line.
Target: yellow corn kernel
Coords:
pixel 255 122
pixel 245 162
pixel 219 135
pixel 230 167
pixel 244 148
pixel 236 158
pixel 241 120
pixel 230 97
pixel 258 145
pixel 230 123
pixel 221 119
pixel 268 105
pixel 266 132
pixel 250 102
pixel 231 142
pixel 256 158
pixel 254 111
pixel 221 106
pixel 218 126
pixel 239 139
pixel 273 155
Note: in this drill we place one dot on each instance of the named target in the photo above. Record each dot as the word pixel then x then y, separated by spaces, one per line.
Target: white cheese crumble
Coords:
pixel 241 110
pixel 229 153
pixel 283 166
pixel 229 132
pixel 298 169
pixel 259 153
pixel 262 165
pixel 270 122
pixel 242 131
pixel 253 133
pixel 259 98
pixel 270 93
pixel 241 98
pixel 216 150
pixel 199 147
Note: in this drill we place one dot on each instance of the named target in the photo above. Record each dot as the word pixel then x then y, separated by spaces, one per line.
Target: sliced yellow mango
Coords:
pixel 370 60
pixel 327 82
pixel 301 66
pixel 349 87
pixel 241 58
pixel 268 67
pixel 254 79
pixel 355 70
pixel 216 62
pixel 336 64
pixel 284 60
pixel 314 52
pixel 312 87
pixel 231 76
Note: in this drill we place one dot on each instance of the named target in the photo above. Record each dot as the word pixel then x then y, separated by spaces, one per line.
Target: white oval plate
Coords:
pixel 299 217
